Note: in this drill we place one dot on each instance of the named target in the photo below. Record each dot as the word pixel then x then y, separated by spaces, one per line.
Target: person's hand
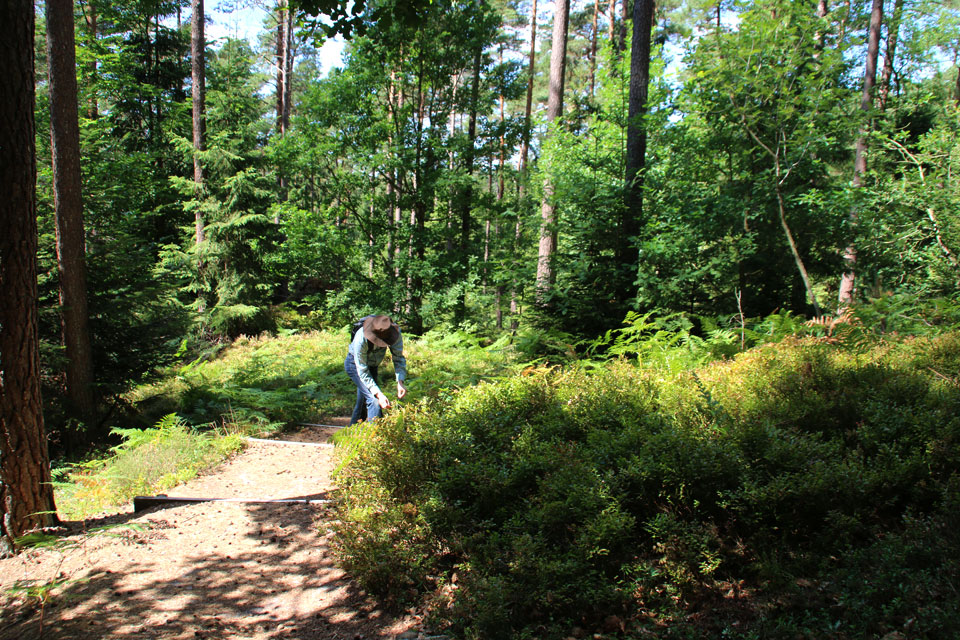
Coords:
pixel 401 390
pixel 383 401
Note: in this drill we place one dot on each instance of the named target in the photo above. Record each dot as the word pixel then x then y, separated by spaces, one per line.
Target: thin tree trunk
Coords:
pixel 779 177
pixel 636 139
pixel 621 44
pixel 455 189
pixel 93 108
pixel 956 87
pixel 197 68
pixel 531 73
pixel 811 295
pixel 467 196
pixel 500 190
pixel 281 64
pixel 522 170
pixel 68 206
pixel 548 210
pixel 287 69
pixel 611 28
pixel 593 48
pixel 26 494
pixel 844 19
pixel 391 183
pixel 284 66
pixel 848 279
pixel 893 33
pixel 821 34
pixel 418 213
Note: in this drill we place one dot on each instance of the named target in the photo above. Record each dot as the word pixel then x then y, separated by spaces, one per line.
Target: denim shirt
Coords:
pixel 366 354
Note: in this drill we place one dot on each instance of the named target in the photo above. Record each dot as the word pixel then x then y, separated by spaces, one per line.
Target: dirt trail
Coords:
pixel 210 570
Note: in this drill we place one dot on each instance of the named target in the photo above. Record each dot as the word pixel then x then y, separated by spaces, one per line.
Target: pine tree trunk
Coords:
pixel 522 169
pixel 197 67
pixel 287 69
pixel 848 279
pixel 93 107
pixel 531 72
pixel 612 27
pixel 636 142
pixel 593 48
pixel 281 66
pixel 284 72
pixel 466 195
pixel 548 210
pixel 26 495
pixel 501 289
pixel 893 34
pixel 68 206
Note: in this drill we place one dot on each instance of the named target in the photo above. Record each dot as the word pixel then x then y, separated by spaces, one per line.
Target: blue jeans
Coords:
pixel 367 407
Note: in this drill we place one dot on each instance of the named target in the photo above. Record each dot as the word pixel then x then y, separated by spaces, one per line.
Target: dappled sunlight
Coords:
pixel 208 569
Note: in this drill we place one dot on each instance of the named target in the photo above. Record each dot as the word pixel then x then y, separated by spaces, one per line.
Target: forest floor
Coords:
pixel 208 569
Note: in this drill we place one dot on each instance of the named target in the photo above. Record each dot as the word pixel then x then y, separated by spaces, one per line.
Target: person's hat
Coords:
pixel 381 330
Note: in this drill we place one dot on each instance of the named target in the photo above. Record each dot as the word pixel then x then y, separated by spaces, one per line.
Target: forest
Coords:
pixel 613 193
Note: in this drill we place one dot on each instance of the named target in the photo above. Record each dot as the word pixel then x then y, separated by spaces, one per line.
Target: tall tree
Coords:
pixel 848 279
pixel 26 494
pixel 198 75
pixel 593 48
pixel 68 205
pixel 636 138
pixel 284 65
pixel 90 17
pixel 893 34
pixel 524 153
pixel 548 210
pixel 466 202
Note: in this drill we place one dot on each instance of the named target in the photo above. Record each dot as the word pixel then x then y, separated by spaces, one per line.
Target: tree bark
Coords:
pixel 284 65
pixel 593 48
pixel 197 68
pixel 893 34
pixel 611 28
pixel 26 495
pixel 548 210
pixel 281 66
pixel 467 195
pixel 531 67
pixel 68 205
pixel 522 169
pixel 93 107
pixel 636 137
pixel 501 289
pixel 848 279
pixel 288 53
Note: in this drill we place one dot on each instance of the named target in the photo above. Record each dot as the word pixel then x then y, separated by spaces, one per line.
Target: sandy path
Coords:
pixel 210 570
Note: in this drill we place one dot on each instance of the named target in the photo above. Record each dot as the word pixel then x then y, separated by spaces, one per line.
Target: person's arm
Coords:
pixel 399 366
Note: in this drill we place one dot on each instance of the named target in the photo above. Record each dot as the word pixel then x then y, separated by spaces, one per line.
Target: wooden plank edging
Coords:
pixel 325 445
pixel 145 502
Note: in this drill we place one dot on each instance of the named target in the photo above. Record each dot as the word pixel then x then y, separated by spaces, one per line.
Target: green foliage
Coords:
pixel 224 276
pixel 552 499
pixel 146 461
pixel 270 382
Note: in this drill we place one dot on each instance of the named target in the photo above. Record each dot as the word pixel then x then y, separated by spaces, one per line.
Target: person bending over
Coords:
pixel 366 352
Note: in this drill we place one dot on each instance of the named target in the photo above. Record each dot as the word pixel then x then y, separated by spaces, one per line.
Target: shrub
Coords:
pixel 527 506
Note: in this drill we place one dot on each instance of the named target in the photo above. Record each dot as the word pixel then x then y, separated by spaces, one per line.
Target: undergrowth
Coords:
pixel 300 378
pixel 807 489
pixel 145 462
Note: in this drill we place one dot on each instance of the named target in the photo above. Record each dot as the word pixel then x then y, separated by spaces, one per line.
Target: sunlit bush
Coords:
pixel 550 500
